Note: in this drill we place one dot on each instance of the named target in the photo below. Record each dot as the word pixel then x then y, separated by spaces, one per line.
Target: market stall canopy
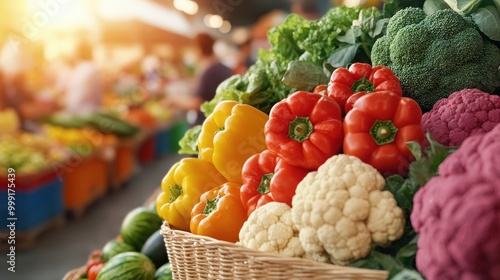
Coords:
pixel 133 31
pixel 142 21
pixel 147 12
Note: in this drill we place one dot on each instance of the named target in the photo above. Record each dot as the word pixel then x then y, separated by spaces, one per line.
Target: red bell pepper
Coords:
pixel 377 129
pixel 94 264
pixel 321 89
pixel 360 77
pixel 266 178
pixel 305 129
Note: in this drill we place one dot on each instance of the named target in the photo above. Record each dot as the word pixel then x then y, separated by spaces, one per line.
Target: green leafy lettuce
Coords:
pixel 189 142
pixel 299 39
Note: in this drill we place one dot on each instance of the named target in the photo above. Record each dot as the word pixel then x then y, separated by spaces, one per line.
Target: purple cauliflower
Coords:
pixel 464 113
pixel 457 214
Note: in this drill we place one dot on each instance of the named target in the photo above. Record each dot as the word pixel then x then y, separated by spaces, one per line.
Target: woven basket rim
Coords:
pixel 75 274
pixel 271 257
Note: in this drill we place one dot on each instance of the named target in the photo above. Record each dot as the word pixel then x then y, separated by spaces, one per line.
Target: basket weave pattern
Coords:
pixel 204 258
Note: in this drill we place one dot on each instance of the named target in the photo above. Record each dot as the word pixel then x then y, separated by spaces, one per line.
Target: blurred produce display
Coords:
pixel 82 141
pixel 102 122
pixel 28 153
pixel 9 121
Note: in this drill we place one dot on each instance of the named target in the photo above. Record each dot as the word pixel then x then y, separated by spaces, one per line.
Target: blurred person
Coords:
pixel 15 63
pixel 10 120
pixel 82 84
pixel 127 80
pixel 246 57
pixel 307 9
pixel 152 80
pixel 210 73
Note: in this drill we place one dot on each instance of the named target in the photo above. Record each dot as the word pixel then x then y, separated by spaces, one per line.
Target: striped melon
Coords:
pixel 113 248
pixel 138 226
pixel 128 266
pixel 164 272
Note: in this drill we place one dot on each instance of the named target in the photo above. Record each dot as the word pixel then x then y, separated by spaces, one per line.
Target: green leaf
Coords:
pixel 350 36
pixel 189 142
pixel 341 57
pixel 370 262
pixel 407 274
pixel 488 20
pixel 415 149
pixel 304 75
pixel 497 4
pixel 430 6
pixel 421 171
pixel 390 8
pixel 437 153
pixel 402 190
pixel 380 27
pixel 386 261
pixel 256 82
pixel 406 255
pixel 464 7
pixel 328 69
pixel 282 38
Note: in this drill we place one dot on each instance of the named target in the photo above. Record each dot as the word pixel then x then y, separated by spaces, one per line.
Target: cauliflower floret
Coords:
pixel 341 211
pixel 464 113
pixel 386 221
pixel 270 229
pixel 457 214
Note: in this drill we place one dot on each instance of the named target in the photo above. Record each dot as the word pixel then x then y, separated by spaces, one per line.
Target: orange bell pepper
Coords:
pixel 219 214
pixel 182 188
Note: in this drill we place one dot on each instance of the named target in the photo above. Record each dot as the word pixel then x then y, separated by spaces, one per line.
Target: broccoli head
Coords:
pixel 464 113
pixel 435 55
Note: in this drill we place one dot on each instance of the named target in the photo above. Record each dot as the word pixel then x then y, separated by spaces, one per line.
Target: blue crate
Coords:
pixel 162 143
pixel 167 140
pixel 34 207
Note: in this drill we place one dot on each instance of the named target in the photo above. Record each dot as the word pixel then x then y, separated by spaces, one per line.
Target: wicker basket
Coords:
pixel 200 257
pixel 75 274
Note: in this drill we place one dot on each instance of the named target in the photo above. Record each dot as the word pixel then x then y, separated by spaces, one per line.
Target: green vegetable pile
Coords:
pixel 342 36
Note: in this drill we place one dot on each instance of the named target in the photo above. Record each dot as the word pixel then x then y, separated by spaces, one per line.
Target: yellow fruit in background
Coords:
pixel 9 121
pixel 73 136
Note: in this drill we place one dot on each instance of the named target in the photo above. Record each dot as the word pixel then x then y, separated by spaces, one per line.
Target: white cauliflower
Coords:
pixel 270 229
pixel 341 210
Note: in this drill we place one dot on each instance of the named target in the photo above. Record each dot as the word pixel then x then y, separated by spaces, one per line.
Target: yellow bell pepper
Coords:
pixel 182 188
pixel 230 135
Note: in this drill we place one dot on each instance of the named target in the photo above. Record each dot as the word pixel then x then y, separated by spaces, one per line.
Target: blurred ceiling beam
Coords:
pixel 147 12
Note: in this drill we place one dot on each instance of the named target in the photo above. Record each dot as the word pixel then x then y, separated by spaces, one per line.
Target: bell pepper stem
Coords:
pixel 300 129
pixel 175 191
pixel 383 132
pixel 362 84
pixel 211 205
pixel 265 183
